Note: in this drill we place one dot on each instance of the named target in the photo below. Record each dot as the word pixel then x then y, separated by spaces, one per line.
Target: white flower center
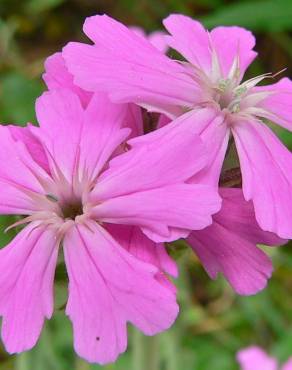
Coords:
pixel 228 92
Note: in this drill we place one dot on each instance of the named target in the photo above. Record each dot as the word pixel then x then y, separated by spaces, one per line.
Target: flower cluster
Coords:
pixel 90 180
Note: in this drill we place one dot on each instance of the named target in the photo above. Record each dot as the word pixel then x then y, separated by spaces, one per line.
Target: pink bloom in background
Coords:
pixel 209 88
pixel 110 215
pixel 254 358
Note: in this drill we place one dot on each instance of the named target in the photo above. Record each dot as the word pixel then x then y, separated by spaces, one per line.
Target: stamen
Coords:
pixel 223 84
pixel 18 223
pixel 215 64
pixel 52 197
pixel 234 72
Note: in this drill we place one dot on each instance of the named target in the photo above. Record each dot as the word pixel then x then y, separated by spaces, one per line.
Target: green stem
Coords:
pixel 22 362
pixel 146 354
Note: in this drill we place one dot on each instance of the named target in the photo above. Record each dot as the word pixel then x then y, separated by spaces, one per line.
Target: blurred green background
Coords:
pixel 214 323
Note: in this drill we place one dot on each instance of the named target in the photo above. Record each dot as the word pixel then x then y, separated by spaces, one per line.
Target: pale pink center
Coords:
pixel 63 204
pixel 229 93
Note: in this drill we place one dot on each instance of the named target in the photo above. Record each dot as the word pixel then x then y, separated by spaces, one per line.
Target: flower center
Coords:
pixel 72 210
pixel 228 91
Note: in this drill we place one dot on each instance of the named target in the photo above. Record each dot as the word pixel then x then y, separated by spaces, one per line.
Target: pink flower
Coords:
pixel 254 358
pixel 61 176
pixel 209 88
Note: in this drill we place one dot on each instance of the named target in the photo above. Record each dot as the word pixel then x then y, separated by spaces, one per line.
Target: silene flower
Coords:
pixel 254 358
pixel 109 211
pixel 208 88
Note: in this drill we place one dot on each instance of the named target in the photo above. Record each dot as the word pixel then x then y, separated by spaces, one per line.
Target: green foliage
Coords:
pixel 17 96
pixel 262 15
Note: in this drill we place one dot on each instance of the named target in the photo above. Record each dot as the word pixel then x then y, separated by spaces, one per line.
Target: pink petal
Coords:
pixel 242 215
pixel 157 39
pixel 230 42
pixel 153 162
pixel 215 135
pixel 103 132
pixel 129 68
pixel 73 148
pixel 288 364
pixel 61 117
pixel 254 358
pixel 109 287
pixel 21 178
pixel 213 131
pixel 134 120
pixel 278 105
pixel 148 196
pixel 57 76
pixel 266 166
pixel 229 245
pixel 32 144
pixel 163 121
pixel 143 248
pixel 27 268
pixel 163 211
pixel 191 39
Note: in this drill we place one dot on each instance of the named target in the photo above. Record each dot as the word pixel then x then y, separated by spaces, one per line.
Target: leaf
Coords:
pixel 38 6
pixel 17 97
pixel 269 15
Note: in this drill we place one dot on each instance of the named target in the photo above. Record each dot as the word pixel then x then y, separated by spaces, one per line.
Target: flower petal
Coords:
pixel 230 43
pixel 266 167
pixel 20 177
pixel 156 38
pixel 213 131
pixel 27 268
pixel 109 287
pixel 129 68
pixel 133 120
pixel 288 364
pixel 252 358
pixel 163 211
pixel 107 126
pixel 277 106
pixel 57 76
pixel 72 147
pixel 153 161
pixel 143 248
pixel 229 245
pixel 61 117
pixel 191 39
pixel 32 144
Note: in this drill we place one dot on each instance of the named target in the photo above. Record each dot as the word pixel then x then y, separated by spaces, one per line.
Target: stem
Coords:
pixel 146 355
pixel 22 361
